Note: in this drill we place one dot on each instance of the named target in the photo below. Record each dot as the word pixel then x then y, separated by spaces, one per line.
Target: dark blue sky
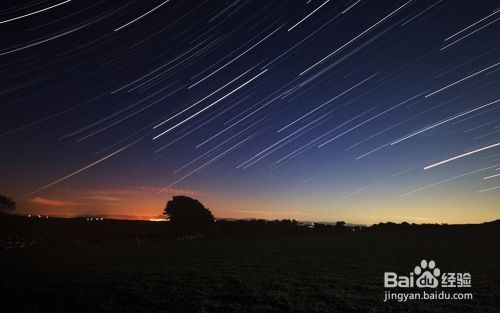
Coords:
pixel 313 110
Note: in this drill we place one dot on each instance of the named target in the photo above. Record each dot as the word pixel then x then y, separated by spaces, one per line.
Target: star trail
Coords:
pixel 359 110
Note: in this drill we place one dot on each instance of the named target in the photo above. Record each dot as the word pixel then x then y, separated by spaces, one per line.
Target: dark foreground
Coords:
pixel 298 272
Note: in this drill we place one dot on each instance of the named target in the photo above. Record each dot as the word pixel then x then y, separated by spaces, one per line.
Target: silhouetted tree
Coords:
pixel 188 216
pixel 340 224
pixel 7 204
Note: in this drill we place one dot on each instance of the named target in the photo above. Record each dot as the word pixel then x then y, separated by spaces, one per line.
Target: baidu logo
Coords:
pixel 426 275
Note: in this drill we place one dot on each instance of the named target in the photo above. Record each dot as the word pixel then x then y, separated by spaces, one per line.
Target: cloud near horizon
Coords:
pixel 53 202
pixel 101 198
pixel 134 190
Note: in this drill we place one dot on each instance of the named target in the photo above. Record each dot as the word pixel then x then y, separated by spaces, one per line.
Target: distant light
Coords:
pixel 29 215
pixel 157 220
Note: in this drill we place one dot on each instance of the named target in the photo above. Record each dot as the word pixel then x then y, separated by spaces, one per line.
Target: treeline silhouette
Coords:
pixel 187 219
pixel 86 231
pixel 44 231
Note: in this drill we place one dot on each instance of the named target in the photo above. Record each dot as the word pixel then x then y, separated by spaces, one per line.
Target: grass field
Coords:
pixel 281 273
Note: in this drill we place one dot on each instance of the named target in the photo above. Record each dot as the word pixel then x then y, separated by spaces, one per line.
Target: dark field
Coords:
pixel 299 272
pixel 280 273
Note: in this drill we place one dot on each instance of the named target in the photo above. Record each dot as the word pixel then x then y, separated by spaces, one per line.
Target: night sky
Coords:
pixel 363 111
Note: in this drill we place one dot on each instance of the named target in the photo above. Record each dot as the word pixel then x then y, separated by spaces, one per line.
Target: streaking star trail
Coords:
pixel 363 111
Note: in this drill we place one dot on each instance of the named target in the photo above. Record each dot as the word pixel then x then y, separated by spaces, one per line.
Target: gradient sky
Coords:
pixel 313 110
